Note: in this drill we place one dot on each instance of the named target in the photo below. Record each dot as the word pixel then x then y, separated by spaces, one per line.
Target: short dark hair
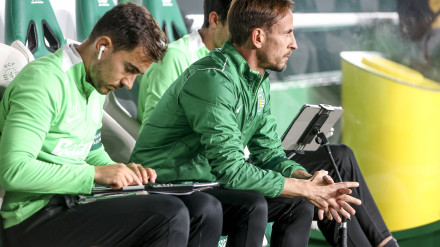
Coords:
pixel 221 7
pixel 130 25
pixel 246 15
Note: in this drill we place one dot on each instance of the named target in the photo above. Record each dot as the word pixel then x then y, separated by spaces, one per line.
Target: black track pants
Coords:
pixel 142 220
pixel 206 219
pixel 366 227
pixel 246 213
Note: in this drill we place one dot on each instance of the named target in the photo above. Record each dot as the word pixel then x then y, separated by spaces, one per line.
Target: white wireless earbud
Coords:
pixel 101 49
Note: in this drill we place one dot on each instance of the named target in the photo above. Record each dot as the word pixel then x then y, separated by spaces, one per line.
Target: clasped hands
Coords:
pixel 332 199
pixel 120 175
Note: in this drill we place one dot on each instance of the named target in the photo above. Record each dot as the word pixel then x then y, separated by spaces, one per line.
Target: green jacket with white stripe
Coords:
pixel 49 143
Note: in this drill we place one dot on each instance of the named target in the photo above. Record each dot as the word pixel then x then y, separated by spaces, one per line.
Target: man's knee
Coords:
pixel 255 203
pixel 305 208
pixel 207 206
pixel 344 157
pixel 341 151
pixel 174 210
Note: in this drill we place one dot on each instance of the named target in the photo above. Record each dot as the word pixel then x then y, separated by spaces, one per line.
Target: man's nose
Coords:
pixel 128 82
pixel 293 44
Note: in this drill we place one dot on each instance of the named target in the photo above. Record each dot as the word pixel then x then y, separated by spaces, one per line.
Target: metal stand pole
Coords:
pixel 322 140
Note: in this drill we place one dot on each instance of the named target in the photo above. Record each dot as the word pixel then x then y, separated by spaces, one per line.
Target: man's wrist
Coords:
pixel 300 174
pixel 295 188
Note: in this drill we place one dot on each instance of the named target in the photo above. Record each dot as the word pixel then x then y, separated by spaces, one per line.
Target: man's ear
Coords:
pixel 258 37
pixel 104 41
pixel 214 19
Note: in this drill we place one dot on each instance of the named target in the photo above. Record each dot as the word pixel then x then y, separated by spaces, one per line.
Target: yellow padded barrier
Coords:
pixel 392 122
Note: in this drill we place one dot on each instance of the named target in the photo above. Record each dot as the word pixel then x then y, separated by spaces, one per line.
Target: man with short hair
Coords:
pixel 181 54
pixel 366 228
pixel 50 149
pixel 221 104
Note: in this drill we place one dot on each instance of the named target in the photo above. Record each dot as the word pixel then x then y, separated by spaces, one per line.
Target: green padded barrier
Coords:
pixel 33 22
pixel 167 14
pixel 88 13
pixel 427 236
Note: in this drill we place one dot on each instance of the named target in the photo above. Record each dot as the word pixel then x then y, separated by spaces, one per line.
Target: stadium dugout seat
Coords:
pixel 87 14
pixel 34 24
pixel 167 14
pixel 119 130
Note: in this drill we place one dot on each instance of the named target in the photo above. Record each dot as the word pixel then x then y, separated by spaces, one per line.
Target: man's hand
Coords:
pixel 120 175
pixel 336 201
pixel 144 174
pixel 321 191
pixel 331 212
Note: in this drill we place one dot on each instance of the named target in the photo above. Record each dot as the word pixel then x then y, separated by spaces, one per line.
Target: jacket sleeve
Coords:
pixel 158 79
pixel 265 146
pixel 208 100
pixel 30 108
pixel 97 155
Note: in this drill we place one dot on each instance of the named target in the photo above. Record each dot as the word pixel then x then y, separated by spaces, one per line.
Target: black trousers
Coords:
pixel 366 227
pixel 206 220
pixel 246 213
pixel 144 220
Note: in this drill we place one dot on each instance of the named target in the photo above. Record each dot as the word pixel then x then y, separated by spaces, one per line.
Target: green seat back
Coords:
pixel 88 13
pixel 167 14
pixel 33 22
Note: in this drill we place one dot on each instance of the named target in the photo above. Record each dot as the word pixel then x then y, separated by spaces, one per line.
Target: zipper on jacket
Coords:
pixel 255 100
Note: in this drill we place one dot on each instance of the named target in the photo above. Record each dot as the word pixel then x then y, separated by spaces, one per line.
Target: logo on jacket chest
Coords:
pixel 261 101
pixel 67 147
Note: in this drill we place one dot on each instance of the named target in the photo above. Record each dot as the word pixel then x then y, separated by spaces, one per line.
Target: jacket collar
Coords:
pixel 242 65
pixel 71 58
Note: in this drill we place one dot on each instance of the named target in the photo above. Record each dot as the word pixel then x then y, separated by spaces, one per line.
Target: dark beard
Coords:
pixel 273 67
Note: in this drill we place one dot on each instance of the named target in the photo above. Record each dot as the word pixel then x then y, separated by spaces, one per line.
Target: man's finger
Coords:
pixel 135 169
pixel 345 191
pixel 349 199
pixel 134 178
pixel 344 213
pixel 152 174
pixel 144 174
pixel 328 179
pixel 346 207
pixel 320 214
pixel 347 185
pixel 328 214
pixel 335 215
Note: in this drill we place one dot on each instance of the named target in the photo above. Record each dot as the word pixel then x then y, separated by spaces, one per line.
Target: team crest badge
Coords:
pixel 261 101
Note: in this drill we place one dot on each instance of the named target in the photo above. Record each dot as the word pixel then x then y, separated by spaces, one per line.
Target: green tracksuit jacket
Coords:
pixel 199 128
pixel 49 117
pixel 158 78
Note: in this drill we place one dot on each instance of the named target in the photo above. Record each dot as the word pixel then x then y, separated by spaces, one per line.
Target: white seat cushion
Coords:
pixel 12 60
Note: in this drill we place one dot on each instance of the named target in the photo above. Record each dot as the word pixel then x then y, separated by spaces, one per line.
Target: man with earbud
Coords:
pixel 101 49
pixel 50 148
